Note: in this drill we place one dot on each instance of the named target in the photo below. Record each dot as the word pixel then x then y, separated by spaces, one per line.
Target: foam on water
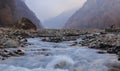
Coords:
pixel 61 62
pixel 14 68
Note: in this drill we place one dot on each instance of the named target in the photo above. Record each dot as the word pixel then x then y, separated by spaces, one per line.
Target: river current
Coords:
pixel 47 56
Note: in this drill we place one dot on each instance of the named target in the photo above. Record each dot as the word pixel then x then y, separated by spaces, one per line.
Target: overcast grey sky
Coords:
pixel 46 9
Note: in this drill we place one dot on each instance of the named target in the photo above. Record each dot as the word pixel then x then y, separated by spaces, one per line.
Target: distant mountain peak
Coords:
pixel 59 21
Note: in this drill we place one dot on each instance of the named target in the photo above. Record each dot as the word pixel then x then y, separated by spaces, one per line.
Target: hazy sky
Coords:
pixel 46 9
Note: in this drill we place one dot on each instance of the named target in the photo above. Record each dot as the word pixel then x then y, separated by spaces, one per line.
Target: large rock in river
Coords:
pixel 25 24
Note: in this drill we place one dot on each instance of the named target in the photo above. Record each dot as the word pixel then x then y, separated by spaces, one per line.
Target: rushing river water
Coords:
pixel 46 56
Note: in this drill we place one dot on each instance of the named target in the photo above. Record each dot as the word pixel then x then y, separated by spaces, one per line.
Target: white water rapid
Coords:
pixel 46 56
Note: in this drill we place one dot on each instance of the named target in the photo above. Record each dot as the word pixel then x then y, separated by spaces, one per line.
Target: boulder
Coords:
pixel 101 52
pixel 119 58
pixel 104 46
pixel 20 52
pixel 25 24
pixel 12 54
pixel 74 44
pixel 110 50
pixel 10 43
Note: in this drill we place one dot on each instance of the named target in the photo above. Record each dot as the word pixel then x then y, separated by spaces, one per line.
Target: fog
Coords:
pixel 47 9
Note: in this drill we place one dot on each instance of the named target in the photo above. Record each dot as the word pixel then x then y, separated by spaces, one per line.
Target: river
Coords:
pixel 48 56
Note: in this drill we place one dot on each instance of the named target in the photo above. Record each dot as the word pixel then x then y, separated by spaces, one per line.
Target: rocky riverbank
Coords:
pixel 106 42
pixel 8 40
pixel 110 42
pixel 12 41
pixel 16 38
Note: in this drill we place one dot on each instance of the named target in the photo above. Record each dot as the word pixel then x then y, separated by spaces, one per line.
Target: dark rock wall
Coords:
pixel 6 14
pixel 13 10
pixel 23 11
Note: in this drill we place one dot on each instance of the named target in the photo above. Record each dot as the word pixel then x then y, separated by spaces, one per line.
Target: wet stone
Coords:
pixel 20 52
pixel 119 58
pixel 102 52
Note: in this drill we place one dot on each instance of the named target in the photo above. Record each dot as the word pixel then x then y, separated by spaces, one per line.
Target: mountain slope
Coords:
pixel 96 14
pixel 6 14
pixel 59 21
pixel 12 10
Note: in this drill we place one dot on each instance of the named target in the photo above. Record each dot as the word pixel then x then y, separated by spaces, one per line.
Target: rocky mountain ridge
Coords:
pixel 96 14
pixel 13 10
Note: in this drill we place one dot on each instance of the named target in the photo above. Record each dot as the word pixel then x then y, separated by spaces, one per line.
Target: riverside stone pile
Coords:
pixel 104 41
pixel 54 35
pixel 6 53
pixel 8 40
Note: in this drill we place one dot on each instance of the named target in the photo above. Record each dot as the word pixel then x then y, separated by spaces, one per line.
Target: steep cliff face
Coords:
pixel 12 10
pixel 6 14
pixel 23 11
pixel 96 14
